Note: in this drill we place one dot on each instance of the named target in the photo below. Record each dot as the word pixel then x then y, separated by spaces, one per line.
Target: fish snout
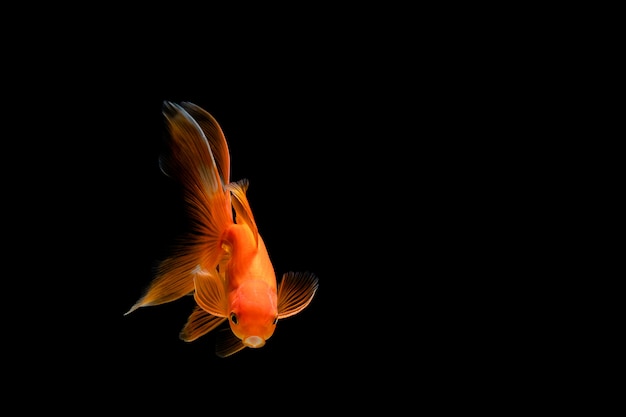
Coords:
pixel 254 341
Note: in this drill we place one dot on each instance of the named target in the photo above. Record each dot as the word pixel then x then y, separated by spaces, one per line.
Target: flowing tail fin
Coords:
pixel 198 158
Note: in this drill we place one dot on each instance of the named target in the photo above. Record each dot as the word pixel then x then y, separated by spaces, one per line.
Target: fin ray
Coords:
pixel 243 211
pixel 215 136
pixel 188 157
pixel 210 293
pixel 295 292
pixel 175 275
pixel 190 160
pixel 227 344
pixel 199 323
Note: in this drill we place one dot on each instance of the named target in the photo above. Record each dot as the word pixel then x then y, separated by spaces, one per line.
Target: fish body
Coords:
pixel 223 262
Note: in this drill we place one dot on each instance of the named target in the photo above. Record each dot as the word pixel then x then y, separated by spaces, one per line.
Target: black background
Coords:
pixel 318 153
pixel 363 168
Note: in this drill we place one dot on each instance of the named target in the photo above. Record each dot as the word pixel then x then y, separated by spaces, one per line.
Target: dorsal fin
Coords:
pixel 243 212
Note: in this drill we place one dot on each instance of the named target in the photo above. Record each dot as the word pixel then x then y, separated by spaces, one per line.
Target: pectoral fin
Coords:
pixel 199 323
pixel 295 292
pixel 210 294
pixel 226 343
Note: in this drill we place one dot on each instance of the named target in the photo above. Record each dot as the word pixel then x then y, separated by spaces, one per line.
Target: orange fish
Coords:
pixel 223 262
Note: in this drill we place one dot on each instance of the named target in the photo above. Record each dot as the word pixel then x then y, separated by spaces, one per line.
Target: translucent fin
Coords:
pixel 199 323
pixel 210 294
pixel 227 343
pixel 176 281
pixel 214 134
pixel 243 211
pixel 295 292
pixel 175 275
pixel 188 156
pixel 190 160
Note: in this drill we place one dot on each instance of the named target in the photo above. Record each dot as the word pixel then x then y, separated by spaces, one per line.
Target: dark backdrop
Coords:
pixel 361 171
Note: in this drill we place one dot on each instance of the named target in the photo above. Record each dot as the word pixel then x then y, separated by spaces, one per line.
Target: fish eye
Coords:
pixel 233 318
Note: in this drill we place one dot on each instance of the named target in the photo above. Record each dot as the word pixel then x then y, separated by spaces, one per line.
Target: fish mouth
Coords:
pixel 254 341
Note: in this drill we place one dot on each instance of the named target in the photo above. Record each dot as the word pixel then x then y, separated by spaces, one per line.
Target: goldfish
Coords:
pixel 223 261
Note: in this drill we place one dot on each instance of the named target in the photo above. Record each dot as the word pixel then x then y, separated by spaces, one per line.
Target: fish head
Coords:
pixel 253 314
